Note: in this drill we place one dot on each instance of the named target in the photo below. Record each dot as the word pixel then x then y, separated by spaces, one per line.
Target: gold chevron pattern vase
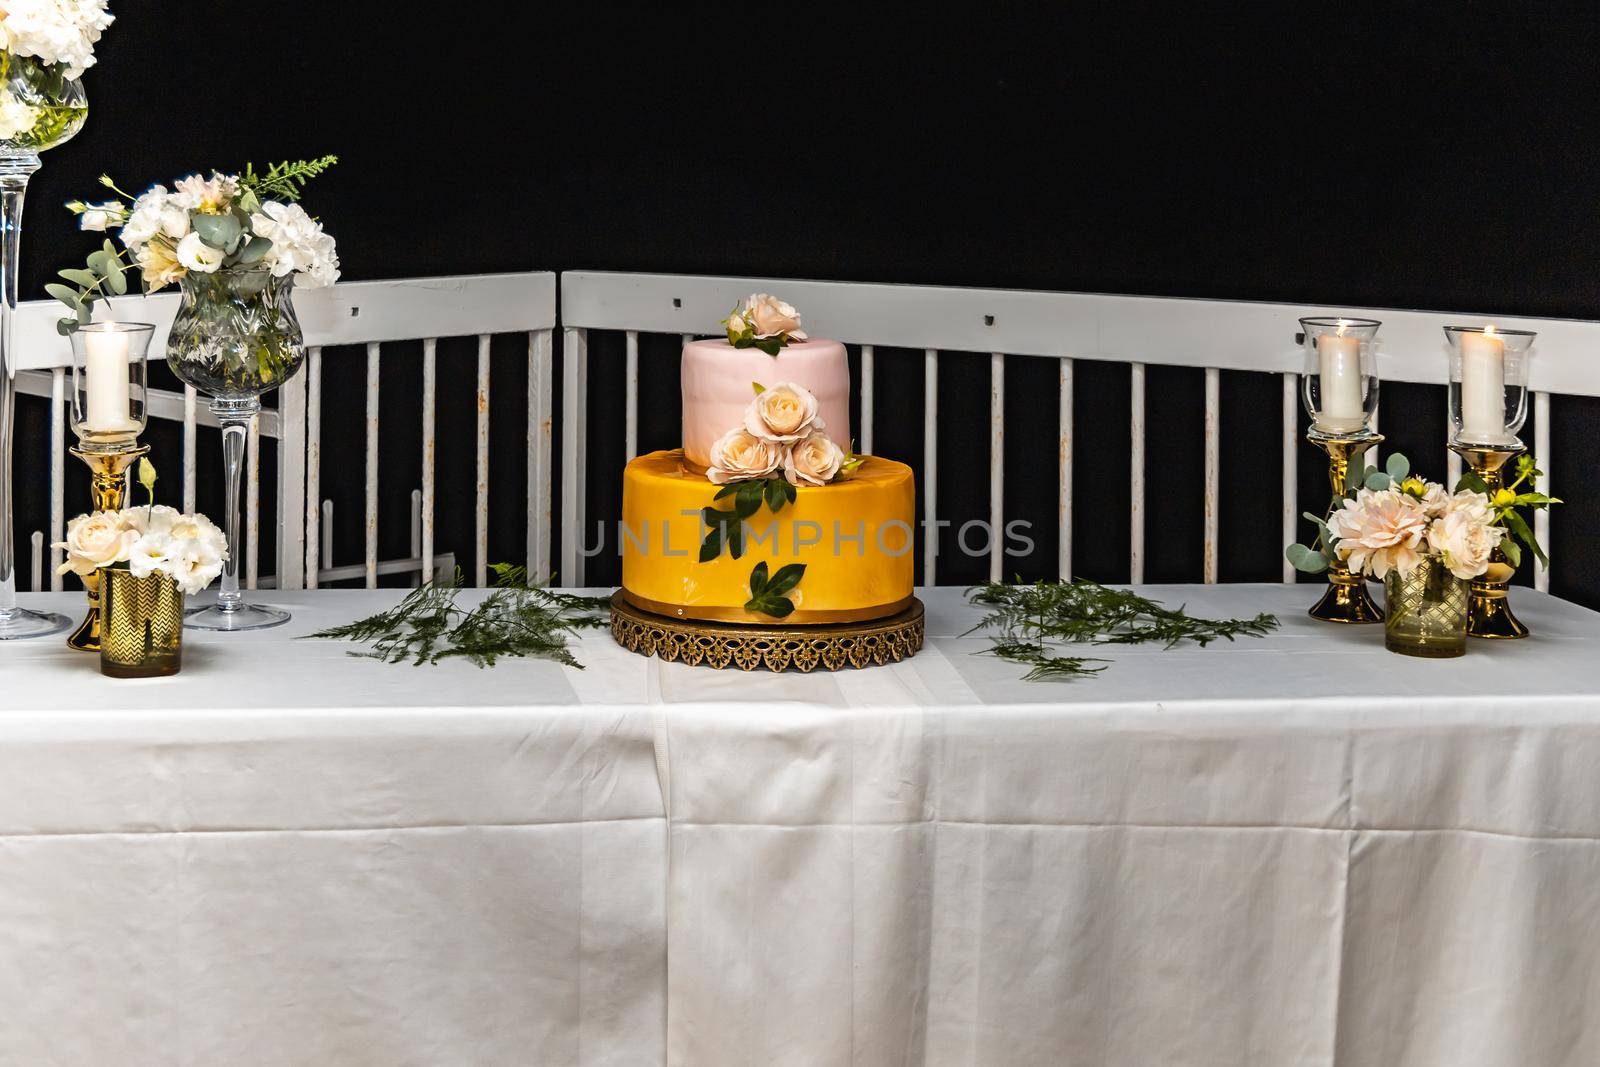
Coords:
pixel 141 627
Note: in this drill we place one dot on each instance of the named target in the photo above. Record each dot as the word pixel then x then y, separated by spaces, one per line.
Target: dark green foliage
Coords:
pixel 516 619
pixel 769 595
pixel 1027 619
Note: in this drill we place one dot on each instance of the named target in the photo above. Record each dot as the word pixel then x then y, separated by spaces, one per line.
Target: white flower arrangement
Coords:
pixel 154 539
pixel 243 222
pixel 189 549
pixel 763 321
pixel 55 32
pixel 782 431
pixel 1396 520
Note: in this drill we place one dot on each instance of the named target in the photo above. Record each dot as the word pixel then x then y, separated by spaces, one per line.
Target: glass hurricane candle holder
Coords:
pixel 1488 385
pixel 1339 384
pixel 109 384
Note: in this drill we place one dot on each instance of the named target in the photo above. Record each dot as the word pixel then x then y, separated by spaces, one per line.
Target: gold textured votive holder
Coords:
pixel 108 489
pixel 141 625
pixel 1346 599
pixel 1489 611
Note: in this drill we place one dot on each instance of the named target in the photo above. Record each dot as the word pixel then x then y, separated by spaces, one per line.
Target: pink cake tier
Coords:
pixel 717 387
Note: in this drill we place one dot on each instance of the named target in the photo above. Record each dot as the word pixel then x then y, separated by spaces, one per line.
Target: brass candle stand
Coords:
pixel 1346 599
pixel 1489 611
pixel 108 488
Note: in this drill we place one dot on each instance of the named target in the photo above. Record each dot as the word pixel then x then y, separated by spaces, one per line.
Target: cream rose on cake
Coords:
pixel 783 414
pixel 772 317
pixel 739 455
pixel 813 461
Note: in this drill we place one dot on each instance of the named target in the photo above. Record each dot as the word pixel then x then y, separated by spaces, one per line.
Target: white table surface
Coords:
pixel 1296 849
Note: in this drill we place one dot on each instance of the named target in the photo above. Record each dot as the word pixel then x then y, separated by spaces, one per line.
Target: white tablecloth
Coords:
pixel 1296 850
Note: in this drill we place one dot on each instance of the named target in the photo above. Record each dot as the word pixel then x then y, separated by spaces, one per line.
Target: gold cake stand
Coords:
pixel 830 647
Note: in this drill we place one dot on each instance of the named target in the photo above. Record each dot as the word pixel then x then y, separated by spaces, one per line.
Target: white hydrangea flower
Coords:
pixel 299 245
pixel 55 31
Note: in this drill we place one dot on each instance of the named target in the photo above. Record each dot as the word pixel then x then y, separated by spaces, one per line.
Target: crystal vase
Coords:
pixel 1427 611
pixel 235 337
pixel 39 108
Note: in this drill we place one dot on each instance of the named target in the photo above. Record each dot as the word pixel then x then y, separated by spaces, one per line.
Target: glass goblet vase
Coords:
pixel 235 337
pixel 40 108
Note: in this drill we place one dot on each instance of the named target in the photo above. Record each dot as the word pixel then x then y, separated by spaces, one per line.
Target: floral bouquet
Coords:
pixel 225 223
pixel 45 46
pixel 1425 543
pixel 152 540
pixel 763 321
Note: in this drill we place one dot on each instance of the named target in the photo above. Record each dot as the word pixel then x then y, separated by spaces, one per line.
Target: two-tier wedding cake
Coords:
pixel 765 516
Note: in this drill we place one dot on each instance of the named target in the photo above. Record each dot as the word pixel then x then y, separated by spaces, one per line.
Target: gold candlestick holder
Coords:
pixel 1346 599
pixel 1489 611
pixel 108 488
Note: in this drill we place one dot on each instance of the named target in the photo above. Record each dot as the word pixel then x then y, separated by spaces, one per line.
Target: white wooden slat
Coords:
pixel 416 534
pixel 291 547
pixel 1227 334
pixel 1541 452
pixel 1136 475
pixel 481 499
pixel 36 540
pixel 313 491
pixel 374 360
pixel 252 506
pixel 1373 455
pixel 997 466
pixel 540 447
pixel 930 467
pixel 189 400
pixel 1291 467
pixel 327 534
pixel 58 472
pixel 430 368
pixel 574 438
pixel 867 383
pixel 1452 467
pixel 630 440
pixel 1213 460
pixel 1064 462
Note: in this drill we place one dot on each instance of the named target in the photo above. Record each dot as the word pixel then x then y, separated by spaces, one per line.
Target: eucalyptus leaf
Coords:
pixel 65 293
pixel 1399 467
pixel 254 249
pixel 78 276
pixel 218 231
pixel 1378 481
pixel 118 282
pixel 65 326
pixel 1305 559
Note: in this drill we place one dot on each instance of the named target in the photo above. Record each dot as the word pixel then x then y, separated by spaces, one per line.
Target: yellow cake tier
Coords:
pixel 855 538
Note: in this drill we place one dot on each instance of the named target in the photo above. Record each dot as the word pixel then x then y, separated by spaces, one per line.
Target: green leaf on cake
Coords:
pixel 758 387
pixel 758 580
pixel 767 594
pixel 786 579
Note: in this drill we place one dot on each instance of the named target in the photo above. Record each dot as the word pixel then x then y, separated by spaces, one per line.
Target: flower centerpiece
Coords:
pixel 148 559
pixel 763 321
pixel 1424 543
pixel 235 244
pixel 45 46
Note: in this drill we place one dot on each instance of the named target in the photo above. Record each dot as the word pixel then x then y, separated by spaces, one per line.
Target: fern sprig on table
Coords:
pixel 517 619
pixel 1028 619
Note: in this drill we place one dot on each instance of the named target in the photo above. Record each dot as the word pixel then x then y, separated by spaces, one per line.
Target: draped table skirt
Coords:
pixel 1294 850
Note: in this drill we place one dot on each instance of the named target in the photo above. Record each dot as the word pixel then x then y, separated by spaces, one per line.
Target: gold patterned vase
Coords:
pixel 141 627
pixel 1427 611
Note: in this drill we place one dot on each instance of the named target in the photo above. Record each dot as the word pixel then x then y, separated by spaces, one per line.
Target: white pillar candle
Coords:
pixel 106 381
pixel 1483 387
pixel 1339 357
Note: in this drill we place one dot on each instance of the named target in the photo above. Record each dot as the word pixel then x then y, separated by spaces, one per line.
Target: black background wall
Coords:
pixel 1433 156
